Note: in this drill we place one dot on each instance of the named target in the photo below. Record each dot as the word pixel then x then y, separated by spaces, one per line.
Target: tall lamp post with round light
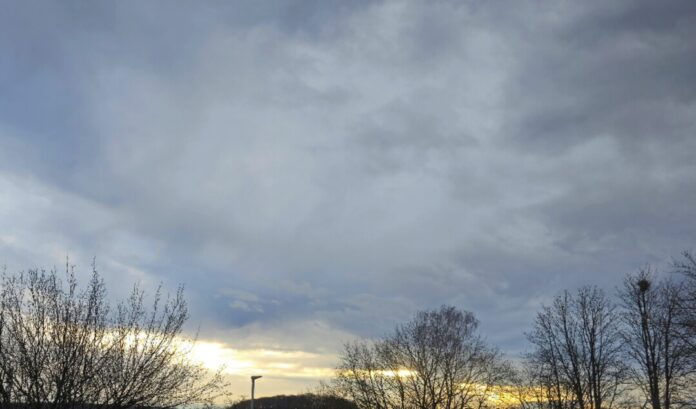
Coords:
pixel 253 383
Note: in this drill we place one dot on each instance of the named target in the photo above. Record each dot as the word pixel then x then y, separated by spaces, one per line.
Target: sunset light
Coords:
pixel 335 204
pixel 284 364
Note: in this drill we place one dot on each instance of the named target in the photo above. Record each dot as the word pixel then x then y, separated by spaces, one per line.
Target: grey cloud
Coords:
pixel 617 71
pixel 335 168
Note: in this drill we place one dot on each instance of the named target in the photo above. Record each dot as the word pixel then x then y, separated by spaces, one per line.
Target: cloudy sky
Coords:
pixel 316 171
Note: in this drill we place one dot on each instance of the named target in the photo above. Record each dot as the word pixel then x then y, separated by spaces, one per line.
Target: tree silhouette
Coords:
pixel 435 361
pixel 65 347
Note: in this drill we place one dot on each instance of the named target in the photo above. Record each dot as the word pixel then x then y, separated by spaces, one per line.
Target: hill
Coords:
pixel 306 401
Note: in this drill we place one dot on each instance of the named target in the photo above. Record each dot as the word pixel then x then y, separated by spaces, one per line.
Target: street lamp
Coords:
pixel 253 382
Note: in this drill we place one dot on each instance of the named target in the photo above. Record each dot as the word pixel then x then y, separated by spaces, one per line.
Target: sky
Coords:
pixel 315 172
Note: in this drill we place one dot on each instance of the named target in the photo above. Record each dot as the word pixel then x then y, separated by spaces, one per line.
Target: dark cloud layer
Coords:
pixel 324 170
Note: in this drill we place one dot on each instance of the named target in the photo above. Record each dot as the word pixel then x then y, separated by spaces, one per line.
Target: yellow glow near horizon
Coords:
pixel 401 373
pixel 502 396
pixel 307 367
pixel 215 356
pixel 288 364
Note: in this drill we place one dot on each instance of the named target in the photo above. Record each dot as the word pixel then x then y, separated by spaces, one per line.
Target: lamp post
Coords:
pixel 253 382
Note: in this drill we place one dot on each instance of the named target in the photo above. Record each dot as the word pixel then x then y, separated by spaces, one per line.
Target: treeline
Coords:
pixel 634 347
pixel 305 401
pixel 64 347
pixel 592 351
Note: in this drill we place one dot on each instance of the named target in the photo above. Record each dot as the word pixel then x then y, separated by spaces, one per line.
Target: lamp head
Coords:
pixel 255 377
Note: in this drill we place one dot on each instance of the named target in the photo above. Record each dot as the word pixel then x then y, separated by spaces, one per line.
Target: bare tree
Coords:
pixel 540 383
pixel 62 347
pixel 653 338
pixel 435 361
pixel 577 351
pixel 686 266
